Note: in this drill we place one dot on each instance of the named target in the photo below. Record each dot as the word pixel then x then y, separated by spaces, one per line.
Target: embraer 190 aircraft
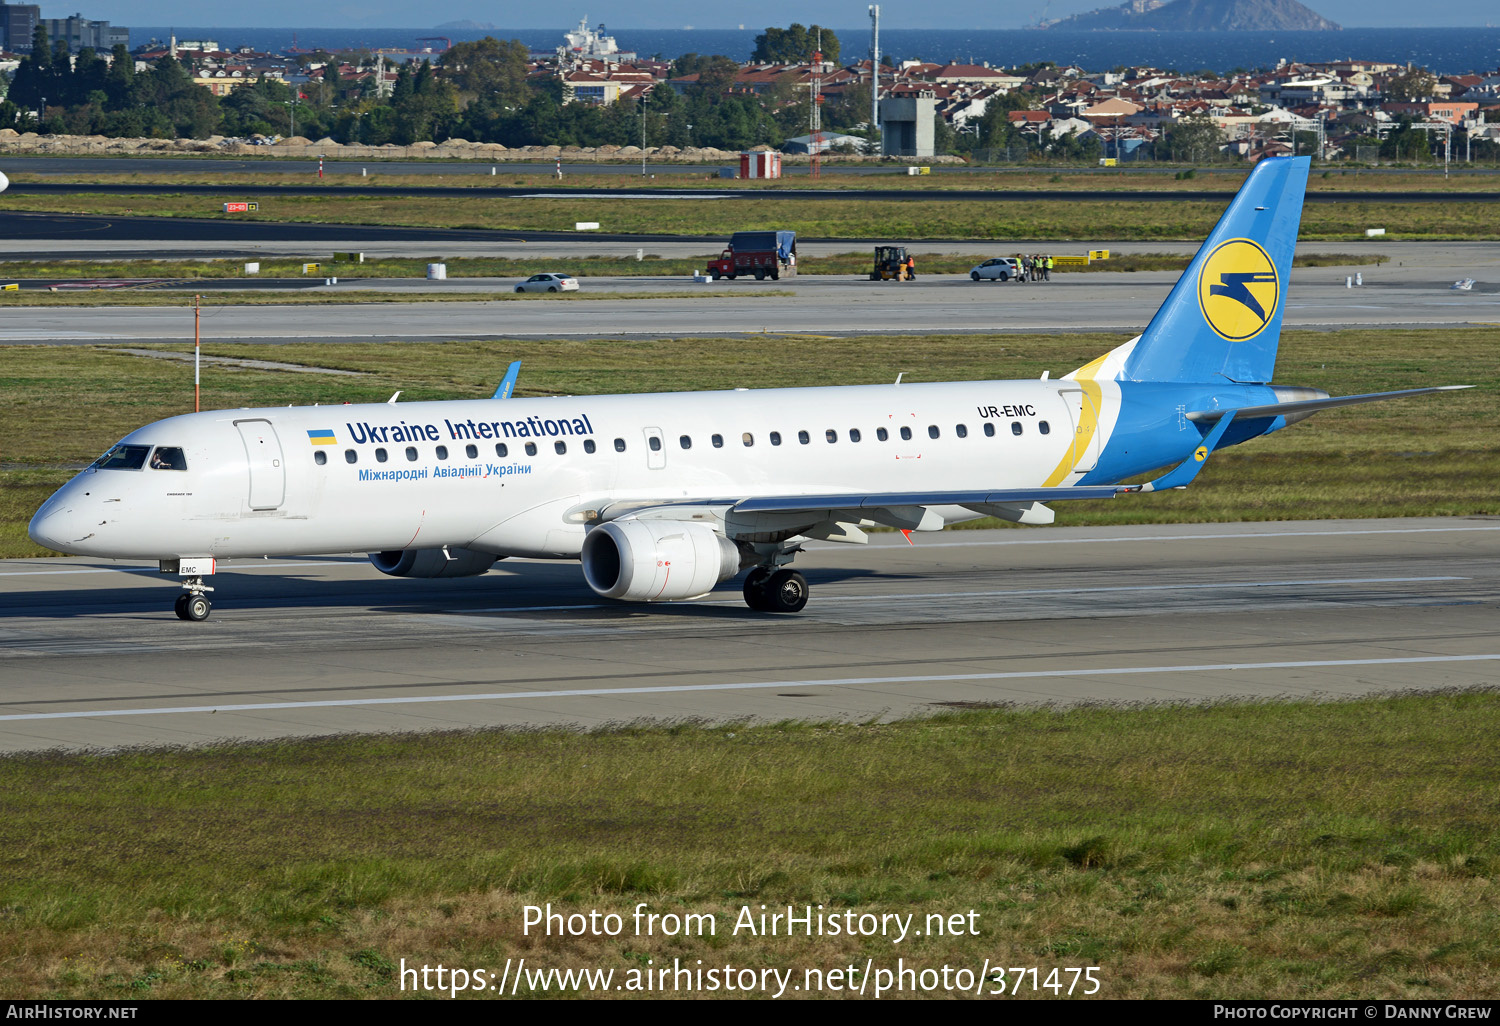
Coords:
pixel 662 497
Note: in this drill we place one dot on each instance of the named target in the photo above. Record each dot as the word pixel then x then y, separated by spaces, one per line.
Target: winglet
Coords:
pixel 1182 475
pixel 508 383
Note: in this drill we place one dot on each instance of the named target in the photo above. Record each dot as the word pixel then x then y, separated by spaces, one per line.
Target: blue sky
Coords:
pixel 956 14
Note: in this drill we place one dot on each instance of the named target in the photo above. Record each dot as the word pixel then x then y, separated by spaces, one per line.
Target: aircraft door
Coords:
pixel 263 452
pixel 1084 413
pixel 656 449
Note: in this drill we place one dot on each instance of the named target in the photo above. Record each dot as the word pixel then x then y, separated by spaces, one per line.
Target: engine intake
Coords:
pixel 433 562
pixel 656 560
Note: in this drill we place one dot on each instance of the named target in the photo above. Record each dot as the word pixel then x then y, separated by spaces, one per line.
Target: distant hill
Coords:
pixel 1200 16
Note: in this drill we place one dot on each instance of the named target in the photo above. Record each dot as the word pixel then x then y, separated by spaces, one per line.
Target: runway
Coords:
pixel 818 304
pixel 91 655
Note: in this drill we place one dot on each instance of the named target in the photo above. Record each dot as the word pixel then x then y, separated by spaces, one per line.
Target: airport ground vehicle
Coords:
pixel 998 269
pixel 554 281
pixel 890 264
pixel 662 497
pixel 764 254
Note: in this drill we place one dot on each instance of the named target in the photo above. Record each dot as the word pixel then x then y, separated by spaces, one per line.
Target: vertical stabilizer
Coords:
pixel 1223 317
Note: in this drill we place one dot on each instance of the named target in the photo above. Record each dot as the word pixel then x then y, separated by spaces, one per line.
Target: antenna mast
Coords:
pixel 874 67
pixel 816 115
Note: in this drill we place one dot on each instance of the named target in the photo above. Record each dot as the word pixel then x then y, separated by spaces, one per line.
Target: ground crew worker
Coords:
pixel 1047 267
pixel 911 267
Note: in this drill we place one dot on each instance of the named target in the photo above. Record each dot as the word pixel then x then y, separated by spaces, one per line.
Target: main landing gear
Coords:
pixel 769 590
pixel 193 603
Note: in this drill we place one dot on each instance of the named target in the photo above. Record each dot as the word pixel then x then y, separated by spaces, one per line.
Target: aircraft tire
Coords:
pixel 756 596
pixel 197 607
pixel 786 592
pixel 180 606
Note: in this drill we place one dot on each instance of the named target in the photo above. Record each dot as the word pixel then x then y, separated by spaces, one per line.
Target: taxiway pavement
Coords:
pixel 91 655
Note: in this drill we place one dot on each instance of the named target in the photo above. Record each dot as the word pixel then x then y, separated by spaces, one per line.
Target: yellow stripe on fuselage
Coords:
pixel 1088 420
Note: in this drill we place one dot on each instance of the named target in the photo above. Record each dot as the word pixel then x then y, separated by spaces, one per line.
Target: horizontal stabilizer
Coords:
pixel 1313 405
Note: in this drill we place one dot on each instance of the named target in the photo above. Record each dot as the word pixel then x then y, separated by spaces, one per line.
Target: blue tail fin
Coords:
pixel 1223 318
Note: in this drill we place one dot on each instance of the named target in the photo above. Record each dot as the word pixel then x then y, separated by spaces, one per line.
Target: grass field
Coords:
pixel 1022 179
pixel 850 218
pixel 297 297
pixel 1432 456
pixel 1232 851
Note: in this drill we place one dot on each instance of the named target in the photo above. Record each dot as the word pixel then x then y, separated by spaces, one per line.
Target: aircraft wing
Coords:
pixel 830 513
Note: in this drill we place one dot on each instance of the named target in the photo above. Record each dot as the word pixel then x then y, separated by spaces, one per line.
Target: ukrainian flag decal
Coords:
pixel 1238 289
pixel 322 436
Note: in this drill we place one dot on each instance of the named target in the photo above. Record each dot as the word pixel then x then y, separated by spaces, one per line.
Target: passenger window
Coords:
pixel 471 451
pixel 502 450
pixel 685 442
pixel 775 437
pixel 654 443
pixel 882 434
pixel 989 430
pixel 320 457
pixel 588 445
pixel 1015 427
pixel 1044 427
pixel 381 455
pixel 411 454
pixel 803 437
pixel 168 457
pixel 718 441
pixel 932 430
pixel 123 457
pixel 831 435
pixel 619 445
pixel 560 447
pixel 962 431
pixel 350 456
pixel 531 448
pixel 442 452
pixel 748 439
pixel 854 434
pixel 906 434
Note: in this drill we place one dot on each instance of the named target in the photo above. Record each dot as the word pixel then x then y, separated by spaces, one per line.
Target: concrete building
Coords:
pixel 906 125
pixel 80 32
pixel 17 24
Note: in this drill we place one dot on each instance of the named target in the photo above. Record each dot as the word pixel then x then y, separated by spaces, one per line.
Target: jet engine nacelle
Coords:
pixel 433 562
pixel 656 560
pixel 4 183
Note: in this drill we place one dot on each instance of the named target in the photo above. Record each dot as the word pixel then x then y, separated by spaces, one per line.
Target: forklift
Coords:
pixel 890 264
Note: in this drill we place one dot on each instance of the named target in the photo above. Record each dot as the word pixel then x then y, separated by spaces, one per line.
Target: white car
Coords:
pixel 998 269
pixel 549 283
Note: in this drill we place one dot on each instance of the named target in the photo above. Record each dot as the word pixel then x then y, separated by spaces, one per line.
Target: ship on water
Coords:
pixel 586 44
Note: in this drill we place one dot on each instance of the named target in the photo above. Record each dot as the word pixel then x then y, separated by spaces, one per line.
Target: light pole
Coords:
pixel 643 135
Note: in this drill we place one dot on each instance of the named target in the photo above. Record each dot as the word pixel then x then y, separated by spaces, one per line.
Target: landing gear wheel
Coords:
pixel 180 606
pixel 197 607
pixel 756 596
pixel 786 592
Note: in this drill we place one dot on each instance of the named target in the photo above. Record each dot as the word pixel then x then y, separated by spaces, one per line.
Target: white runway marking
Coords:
pixel 761 685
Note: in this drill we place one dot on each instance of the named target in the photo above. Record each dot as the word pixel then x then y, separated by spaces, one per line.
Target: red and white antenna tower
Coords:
pixel 816 115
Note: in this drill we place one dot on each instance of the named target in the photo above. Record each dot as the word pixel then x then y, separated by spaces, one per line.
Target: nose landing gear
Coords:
pixel 193 603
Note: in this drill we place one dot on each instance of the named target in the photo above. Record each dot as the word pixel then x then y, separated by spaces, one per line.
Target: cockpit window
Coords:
pixel 168 457
pixel 123 457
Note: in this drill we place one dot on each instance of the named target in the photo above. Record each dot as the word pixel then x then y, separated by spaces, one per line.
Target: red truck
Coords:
pixel 763 254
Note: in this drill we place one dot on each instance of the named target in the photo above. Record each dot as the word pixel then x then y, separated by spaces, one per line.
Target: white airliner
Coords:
pixel 664 496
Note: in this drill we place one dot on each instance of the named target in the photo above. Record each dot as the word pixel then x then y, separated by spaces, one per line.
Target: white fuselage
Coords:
pixel 515 477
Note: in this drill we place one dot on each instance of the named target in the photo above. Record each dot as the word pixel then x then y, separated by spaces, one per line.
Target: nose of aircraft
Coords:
pixel 58 524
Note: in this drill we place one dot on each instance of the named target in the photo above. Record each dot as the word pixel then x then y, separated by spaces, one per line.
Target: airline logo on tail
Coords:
pixel 1238 289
